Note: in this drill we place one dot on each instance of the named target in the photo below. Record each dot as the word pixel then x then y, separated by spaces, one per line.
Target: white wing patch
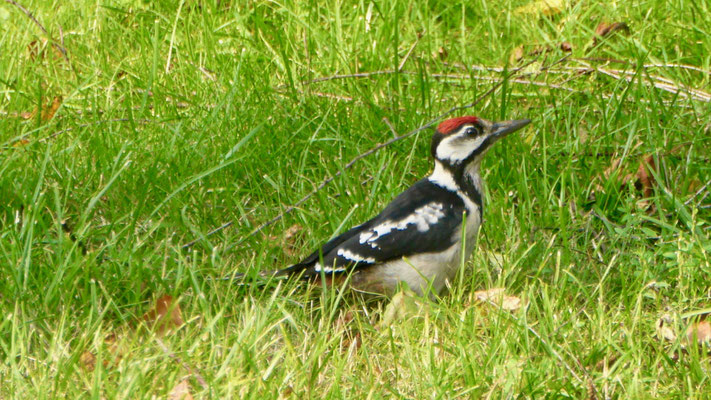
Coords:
pixel 327 270
pixel 349 255
pixel 423 217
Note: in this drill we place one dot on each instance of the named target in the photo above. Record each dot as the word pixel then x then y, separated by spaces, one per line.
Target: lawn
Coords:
pixel 149 148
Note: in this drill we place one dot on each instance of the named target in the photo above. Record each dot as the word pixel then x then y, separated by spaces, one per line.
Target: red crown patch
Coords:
pixel 451 125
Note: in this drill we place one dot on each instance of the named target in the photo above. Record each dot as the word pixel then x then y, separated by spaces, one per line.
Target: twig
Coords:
pixel 346 76
pixel 520 81
pixel 651 65
pixel 380 146
pixel 191 371
pixel 680 66
pixel 698 192
pixel 693 94
pixel 33 19
pixel 407 56
pixel 101 122
pixel 390 125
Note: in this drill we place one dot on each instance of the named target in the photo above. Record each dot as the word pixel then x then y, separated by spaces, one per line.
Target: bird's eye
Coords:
pixel 471 131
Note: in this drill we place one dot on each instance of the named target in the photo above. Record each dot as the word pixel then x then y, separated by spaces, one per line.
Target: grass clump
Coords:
pixel 161 124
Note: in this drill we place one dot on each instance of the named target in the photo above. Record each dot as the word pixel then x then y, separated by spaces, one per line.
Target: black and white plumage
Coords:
pixel 418 238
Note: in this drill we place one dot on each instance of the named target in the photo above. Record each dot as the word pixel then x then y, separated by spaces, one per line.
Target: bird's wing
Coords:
pixel 422 219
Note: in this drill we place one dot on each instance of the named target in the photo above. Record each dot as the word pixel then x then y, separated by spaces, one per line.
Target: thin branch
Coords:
pixel 407 56
pixel 33 19
pixel 680 66
pixel 698 192
pixel 390 125
pixel 378 147
pixel 675 88
pixel 520 81
pixel 346 76
pixel 101 122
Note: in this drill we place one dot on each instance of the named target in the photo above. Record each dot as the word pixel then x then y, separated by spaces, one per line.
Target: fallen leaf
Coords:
pixel 20 143
pixel 28 115
pixel 165 315
pixel 516 55
pixel 498 296
pixel 694 185
pixel 87 360
pixel 701 331
pixel 566 47
pixel 544 7
pixel 642 180
pixel 539 50
pixel 112 354
pixel 605 29
pixel 442 53
pixel 181 391
pixel 35 48
pixel 48 113
pixel 606 362
pixel 663 328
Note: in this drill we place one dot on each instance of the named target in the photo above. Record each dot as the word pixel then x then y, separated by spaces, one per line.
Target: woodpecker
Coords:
pixel 418 238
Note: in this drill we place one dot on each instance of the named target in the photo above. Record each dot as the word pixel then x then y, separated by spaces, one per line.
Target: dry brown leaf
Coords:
pixel 543 7
pixel 181 391
pixel 539 50
pixel 48 113
pixel 642 179
pixel 566 47
pixel 605 29
pixel 498 296
pixel 28 115
pixel 606 362
pixel 165 315
pixel 442 53
pixel 516 55
pixel 35 48
pixel 87 360
pixel 21 142
pixel 663 328
pixel 701 331
pixel 112 354
pixel 694 185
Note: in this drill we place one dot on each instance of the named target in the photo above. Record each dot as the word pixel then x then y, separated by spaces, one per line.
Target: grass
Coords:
pixel 176 120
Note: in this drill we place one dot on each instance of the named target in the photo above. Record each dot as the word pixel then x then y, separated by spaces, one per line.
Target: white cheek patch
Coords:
pixel 457 148
pixel 423 217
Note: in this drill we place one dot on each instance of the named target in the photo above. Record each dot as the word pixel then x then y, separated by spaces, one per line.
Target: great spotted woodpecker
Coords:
pixel 418 238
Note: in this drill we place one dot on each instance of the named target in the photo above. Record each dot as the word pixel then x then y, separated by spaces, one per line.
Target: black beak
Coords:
pixel 501 129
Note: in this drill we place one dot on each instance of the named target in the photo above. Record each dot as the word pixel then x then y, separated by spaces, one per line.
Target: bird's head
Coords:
pixel 463 141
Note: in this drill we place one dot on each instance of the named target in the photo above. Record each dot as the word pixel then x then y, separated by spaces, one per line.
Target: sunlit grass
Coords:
pixel 176 120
